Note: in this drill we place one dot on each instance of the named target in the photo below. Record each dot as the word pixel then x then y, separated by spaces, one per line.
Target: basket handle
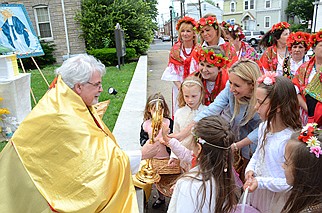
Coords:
pixel 244 200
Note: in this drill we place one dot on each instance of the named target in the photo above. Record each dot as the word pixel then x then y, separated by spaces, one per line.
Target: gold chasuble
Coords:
pixel 60 160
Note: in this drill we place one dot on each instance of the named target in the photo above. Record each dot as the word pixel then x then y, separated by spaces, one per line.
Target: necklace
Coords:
pixel 184 51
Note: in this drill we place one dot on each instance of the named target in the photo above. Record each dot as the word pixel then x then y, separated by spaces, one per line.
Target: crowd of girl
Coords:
pixel 238 118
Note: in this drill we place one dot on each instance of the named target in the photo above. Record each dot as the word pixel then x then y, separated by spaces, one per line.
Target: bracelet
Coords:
pixel 235 147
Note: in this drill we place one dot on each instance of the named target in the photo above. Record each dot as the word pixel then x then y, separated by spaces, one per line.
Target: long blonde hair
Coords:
pixel 248 71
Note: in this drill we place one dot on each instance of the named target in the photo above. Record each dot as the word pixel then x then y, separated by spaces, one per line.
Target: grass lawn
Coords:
pixel 119 79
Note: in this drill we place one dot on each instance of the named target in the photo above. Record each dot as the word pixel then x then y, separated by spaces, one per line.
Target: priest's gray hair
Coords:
pixel 79 69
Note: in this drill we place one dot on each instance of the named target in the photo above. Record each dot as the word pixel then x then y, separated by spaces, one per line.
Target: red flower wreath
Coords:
pixel 225 25
pixel 316 38
pixel 211 21
pixel 209 56
pixel 297 38
pixel 280 26
pixel 307 132
pixel 187 19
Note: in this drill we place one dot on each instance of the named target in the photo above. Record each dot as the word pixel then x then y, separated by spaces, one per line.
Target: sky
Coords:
pixel 164 11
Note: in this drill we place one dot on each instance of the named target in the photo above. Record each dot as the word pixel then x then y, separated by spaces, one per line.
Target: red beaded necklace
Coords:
pixel 184 51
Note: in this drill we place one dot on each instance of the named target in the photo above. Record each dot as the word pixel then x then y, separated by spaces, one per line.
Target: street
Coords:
pixel 157 44
pixel 157 61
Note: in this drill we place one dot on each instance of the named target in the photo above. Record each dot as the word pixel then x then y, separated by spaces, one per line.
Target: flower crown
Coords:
pixel 316 38
pixel 280 26
pixel 308 136
pixel 188 20
pixel 217 60
pixel 211 21
pixel 269 78
pixel 298 38
pixel 233 28
pixel 225 25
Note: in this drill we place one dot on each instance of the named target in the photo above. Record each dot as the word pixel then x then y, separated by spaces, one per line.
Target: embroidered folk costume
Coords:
pixel 243 49
pixel 309 82
pixel 271 60
pixel 179 61
pixel 290 66
pixel 227 47
pixel 217 60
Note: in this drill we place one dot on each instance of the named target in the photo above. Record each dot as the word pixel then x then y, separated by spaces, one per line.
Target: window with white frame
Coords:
pixel 251 4
pixel 43 23
pixel 267 21
pixel 267 3
pixel 232 6
pixel 246 5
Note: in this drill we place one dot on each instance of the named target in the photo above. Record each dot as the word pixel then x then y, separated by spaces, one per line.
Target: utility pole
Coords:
pixel 182 8
pixel 199 9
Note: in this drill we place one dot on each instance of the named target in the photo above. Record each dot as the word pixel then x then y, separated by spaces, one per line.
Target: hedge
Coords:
pixel 108 55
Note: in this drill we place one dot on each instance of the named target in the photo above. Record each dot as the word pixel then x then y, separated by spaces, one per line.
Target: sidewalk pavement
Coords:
pixel 146 81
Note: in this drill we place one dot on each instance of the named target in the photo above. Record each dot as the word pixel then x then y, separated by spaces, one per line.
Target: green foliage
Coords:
pixel 298 27
pixel 108 55
pixel 2 145
pixel 211 2
pixel 302 9
pixel 119 79
pixel 99 18
pixel 42 61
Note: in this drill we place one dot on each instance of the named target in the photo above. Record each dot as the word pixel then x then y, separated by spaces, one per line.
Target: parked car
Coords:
pixel 253 37
pixel 166 38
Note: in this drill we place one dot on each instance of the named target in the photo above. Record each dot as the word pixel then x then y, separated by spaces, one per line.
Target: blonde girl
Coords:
pixel 277 106
pixel 190 98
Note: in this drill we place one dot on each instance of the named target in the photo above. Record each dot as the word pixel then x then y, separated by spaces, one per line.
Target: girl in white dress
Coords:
pixel 210 186
pixel 190 98
pixel 277 106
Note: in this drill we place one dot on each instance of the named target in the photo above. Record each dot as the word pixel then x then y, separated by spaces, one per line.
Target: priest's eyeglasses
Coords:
pixel 98 85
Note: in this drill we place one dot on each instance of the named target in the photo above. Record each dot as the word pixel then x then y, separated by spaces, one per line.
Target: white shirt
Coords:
pixel 185 197
pixel 170 74
pixel 267 168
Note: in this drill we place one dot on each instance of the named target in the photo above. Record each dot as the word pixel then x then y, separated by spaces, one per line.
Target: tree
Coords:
pixel 211 2
pixel 302 9
pixel 98 19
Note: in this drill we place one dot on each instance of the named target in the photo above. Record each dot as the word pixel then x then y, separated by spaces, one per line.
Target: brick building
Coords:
pixel 54 20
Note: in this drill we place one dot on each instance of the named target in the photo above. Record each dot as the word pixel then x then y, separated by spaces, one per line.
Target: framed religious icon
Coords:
pixel 17 35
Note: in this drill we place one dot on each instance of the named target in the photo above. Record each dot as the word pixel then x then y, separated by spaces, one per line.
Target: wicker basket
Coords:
pixel 161 166
pixel 165 184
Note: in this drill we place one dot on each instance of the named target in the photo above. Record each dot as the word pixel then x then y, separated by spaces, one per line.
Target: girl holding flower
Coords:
pixel 308 80
pixel 180 56
pixel 275 42
pixel 303 169
pixel 276 103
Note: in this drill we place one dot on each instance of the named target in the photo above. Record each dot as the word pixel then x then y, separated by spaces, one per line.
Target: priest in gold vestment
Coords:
pixel 63 158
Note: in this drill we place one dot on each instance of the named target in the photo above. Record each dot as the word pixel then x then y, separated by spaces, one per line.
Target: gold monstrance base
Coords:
pixel 147 174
